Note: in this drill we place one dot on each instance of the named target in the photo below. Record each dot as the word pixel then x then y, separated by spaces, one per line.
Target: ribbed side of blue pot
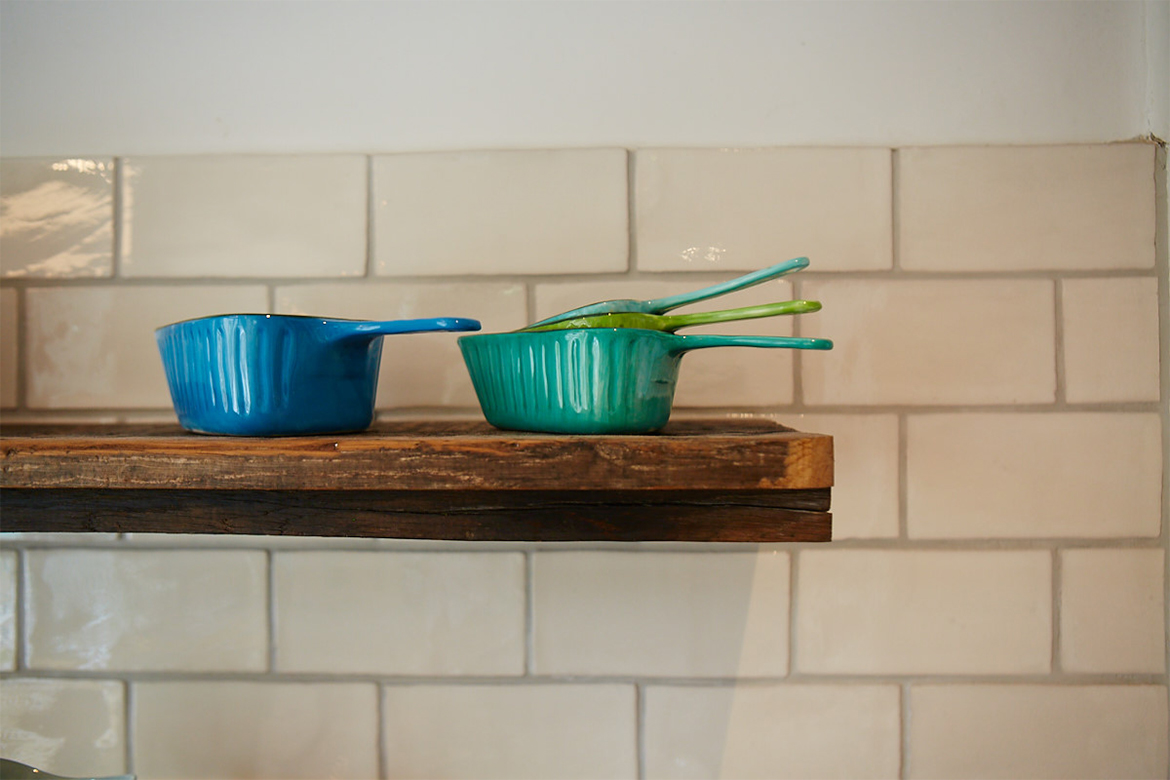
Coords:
pixel 583 381
pixel 246 375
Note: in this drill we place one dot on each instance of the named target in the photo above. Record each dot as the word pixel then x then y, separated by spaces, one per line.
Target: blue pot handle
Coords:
pixel 703 341
pixel 342 329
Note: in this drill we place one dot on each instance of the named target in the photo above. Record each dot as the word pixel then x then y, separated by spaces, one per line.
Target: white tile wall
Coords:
pixel 932 342
pixel 1037 731
pixel 56 217
pixel 662 615
pixel 502 212
pixel 1019 475
pixel 242 216
pixel 743 209
pixel 773 731
pixel 924 612
pixel 94 347
pixel 543 732
pixel 1111 339
pixel 255 729
pixel 69 727
pixel 174 610
pixel 1004 208
pixel 417 613
pixel 1112 616
pixel 993 603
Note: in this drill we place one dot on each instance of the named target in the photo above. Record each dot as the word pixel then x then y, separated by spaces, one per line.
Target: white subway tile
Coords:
pixel 1037 731
pixel 421 369
pixel 1112 615
pixel 175 610
pixel 255 729
pixel 865 470
pixel 9 349
pixel 1111 339
pixel 1013 208
pixel 772 731
pixel 244 215
pixel 743 209
pixel 661 614
pixel 543 732
pixel 400 613
pixel 94 347
pixel 1021 475
pixel 931 342
pixel 8 574
pixel 75 728
pixel 707 377
pixel 501 212
pixel 56 217
pixel 924 612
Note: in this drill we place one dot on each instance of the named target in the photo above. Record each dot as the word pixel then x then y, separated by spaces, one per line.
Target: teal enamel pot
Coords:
pixel 279 374
pixel 598 380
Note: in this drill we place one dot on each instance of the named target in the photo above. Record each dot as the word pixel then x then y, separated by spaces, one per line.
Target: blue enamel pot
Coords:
pixel 279 374
pixel 587 381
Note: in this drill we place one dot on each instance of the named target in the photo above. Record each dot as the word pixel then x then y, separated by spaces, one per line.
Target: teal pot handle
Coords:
pixel 681 344
pixel 343 329
pixel 660 305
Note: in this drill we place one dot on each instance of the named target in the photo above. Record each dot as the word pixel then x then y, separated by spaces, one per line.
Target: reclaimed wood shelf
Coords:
pixel 702 481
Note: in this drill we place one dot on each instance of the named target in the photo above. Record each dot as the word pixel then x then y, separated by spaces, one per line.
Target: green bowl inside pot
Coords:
pixel 598 380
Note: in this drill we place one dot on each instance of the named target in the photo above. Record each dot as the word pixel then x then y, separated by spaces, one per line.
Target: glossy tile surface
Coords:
pixel 75 728
pixel 244 216
pixel 538 731
pixel 1112 616
pixel 424 369
pixel 773 731
pixel 1110 339
pixel 501 212
pixel 56 217
pixel 743 209
pixel 9 348
pixel 255 729
pixel 1038 731
pixel 664 614
pixel 420 613
pixel 174 610
pixel 1015 208
pixel 94 347
pixel 1021 475
pixel 924 612
pixel 713 377
pixel 932 342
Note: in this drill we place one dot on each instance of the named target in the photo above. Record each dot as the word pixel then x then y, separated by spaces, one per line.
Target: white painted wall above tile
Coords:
pixel 244 216
pixel 501 212
pixel 1007 208
pixel 56 217
pixel 743 209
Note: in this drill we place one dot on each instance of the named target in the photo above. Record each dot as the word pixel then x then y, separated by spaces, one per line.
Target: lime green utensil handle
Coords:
pixel 687 343
pixel 673 321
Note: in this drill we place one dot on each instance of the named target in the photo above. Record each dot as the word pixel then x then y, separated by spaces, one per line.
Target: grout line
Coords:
pixel 270 298
pixel 129 710
pixel 116 239
pixel 1058 348
pixel 22 360
pixel 20 651
pixel 371 210
pixel 903 477
pixel 270 561
pixel 530 302
pixel 1057 588
pixel 383 748
pixel 793 608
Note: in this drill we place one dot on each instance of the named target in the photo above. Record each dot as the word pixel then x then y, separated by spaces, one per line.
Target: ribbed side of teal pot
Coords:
pixel 577 381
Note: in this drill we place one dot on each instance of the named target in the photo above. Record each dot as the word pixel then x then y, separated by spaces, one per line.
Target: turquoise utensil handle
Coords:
pixel 745 313
pixel 661 305
pixel 346 330
pixel 703 341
